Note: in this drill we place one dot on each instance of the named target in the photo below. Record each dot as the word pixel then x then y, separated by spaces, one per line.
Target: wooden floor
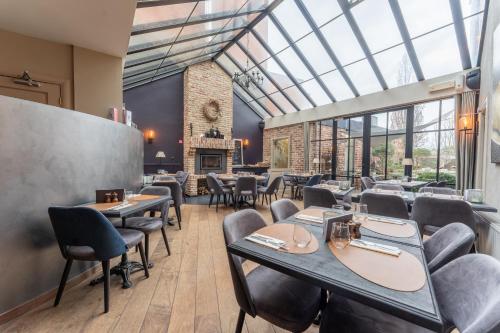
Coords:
pixel 190 291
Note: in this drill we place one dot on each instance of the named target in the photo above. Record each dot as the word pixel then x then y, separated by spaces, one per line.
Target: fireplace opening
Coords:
pixel 210 161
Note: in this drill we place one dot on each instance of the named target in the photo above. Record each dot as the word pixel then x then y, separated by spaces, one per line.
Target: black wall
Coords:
pixel 246 126
pixel 159 106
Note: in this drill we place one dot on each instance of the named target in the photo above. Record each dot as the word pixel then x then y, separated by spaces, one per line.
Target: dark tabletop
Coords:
pixel 137 207
pixel 323 269
pixel 414 184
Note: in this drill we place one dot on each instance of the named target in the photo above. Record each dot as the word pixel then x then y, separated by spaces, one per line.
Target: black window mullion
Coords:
pixel 439 141
pixel 386 143
pixel 410 118
pixel 334 150
pixel 367 123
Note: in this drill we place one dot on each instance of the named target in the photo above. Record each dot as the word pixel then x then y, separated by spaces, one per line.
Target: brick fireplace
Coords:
pixel 205 83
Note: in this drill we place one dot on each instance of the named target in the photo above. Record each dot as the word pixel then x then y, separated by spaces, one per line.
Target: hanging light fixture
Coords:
pixel 247 78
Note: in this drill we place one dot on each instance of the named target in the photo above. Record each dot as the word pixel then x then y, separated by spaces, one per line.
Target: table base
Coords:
pixel 123 269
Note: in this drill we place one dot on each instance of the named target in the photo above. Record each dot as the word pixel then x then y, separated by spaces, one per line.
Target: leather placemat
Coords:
pixel 106 206
pixel 144 197
pixel 284 231
pixel 315 212
pixel 390 229
pixel 403 273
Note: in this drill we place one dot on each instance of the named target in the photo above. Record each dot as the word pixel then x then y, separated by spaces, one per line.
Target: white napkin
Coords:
pixel 386 249
pixel 386 220
pixel 271 242
pixel 120 206
pixel 309 218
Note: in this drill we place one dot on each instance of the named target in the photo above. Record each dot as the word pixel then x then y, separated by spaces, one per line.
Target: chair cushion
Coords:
pixel 283 300
pixel 262 189
pixel 145 224
pixel 131 237
pixel 80 253
pixel 246 192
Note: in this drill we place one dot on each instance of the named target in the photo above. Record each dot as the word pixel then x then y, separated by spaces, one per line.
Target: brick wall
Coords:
pixel 296 135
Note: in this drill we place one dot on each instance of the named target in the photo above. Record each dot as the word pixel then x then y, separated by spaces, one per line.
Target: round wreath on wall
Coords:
pixel 211 110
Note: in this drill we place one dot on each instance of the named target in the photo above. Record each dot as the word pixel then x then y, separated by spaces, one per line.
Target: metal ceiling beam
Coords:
pixel 177 23
pixel 301 56
pixel 146 60
pixel 283 68
pixel 257 86
pixel 463 48
pixel 151 79
pixel 346 10
pixel 247 91
pixel 159 44
pixel 326 46
pixel 405 35
pixel 268 76
pixel 250 26
pixel 155 3
pixel 483 32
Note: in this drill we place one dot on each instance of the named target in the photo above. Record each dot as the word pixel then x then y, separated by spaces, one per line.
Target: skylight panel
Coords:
pixel 145 55
pixel 141 68
pixel 224 36
pixel 275 71
pixel 176 13
pixel 241 58
pixel 425 15
pixel 471 7
pixel 255 48
pixel 314 52
pixel 438 52
pixel 380 31
pixel 323 11
pixel 363 77
pixel 283 102
pixel 290 17
pixel 271 35
pixel 269 105
pixel 214 8
pixel 317 93
pixel 189 45
pixel 342 40
pixel 396 67
pixel 337 85
pixel 162 36
pixel 255 5
pixel 294 65
pixel 298 98
pixel 473 26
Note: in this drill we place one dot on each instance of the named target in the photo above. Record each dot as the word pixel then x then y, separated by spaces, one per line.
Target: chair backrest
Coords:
pixel 437 190
pixel 283 209
pixel 246 184
pixel 84 226
pixel 448 243
pixel 367 183
pixel 321 197
pixel 314 180
pixel 467 292
pixel 385 204
pixel 432 184
pixel 159 190
pixel 163 178
pixel 213 185
pixel 442 184
pixel 175 190
pixel 179 173
pixel 326 177
pixel 274 186
pixel 237 226
pixel 267 176
pixel 437 212
pixel 389 187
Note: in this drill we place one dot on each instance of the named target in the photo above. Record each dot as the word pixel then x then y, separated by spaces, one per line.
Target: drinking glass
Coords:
pixel 301 236
pixel 340 235
pixel 360 212
pixel 338 207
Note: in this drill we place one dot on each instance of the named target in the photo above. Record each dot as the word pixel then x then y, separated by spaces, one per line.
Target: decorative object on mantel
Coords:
pixel 246 78
pixel 211 110
pixel 214 133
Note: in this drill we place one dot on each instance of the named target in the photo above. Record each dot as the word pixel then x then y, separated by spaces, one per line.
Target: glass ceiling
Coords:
pixel 311 52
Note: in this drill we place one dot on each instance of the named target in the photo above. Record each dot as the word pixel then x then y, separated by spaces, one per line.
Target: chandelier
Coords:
pixel 248 77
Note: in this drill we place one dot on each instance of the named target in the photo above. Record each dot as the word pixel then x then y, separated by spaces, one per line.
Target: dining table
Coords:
pixel 135 204
pixel 412 185
pixel 410 197
pixel 326 269
pixel 234 177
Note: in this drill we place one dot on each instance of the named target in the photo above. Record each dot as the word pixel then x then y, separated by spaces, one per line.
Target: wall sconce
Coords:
pixel 246 143
pixel 466 123
pixel 150 136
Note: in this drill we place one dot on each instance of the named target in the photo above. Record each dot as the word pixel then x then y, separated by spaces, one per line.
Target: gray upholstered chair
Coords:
pixel 217 190
pixel 314 180
pixel 182 177
pixel 442 184
pixel 148 225
pixel 164 178
pixel 466 291
pixel 367 183
pixel 289 182
pixel 448 243
pixel 437 190
pixel 434 213
pixel 321 197
pixel 246 187
pixel 326 177
pixel 282 300
pixel 273 188
pixel 265 182
pixel 176 193
pixel 388 187
pixel 385 204
pixel 283 209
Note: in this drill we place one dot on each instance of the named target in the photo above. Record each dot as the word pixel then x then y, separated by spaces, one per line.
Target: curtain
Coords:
pixel 466 140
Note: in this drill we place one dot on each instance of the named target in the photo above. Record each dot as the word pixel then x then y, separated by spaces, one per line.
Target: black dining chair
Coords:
pixel 150 224
pixel 367 183
pixel 433 213
pixel 283 209
pixel 85 234
pixel 245 188
pixel 316 196
pixel 388 187
pixel 217 190
pixel 466 291
pixel 290 182
pixel 265 182
pixel 314 180
pixel 280 299
pixel 385 204
pixel 273 188
pixel 448 243
pixel 176 193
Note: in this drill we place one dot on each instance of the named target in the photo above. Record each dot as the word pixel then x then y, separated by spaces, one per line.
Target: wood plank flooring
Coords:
pixel 189 291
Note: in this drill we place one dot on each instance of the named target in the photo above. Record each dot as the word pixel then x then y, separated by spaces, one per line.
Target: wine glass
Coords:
pixel 360 212
pixel 340 235
pixel 338 207
pixel 301 236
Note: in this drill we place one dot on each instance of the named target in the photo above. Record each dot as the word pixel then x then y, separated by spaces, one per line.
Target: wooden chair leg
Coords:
pixel 144 260
pixel 241 320
pixel 275 196
pixel 211 199
pixel 146 245
pixel 225 200
pixel 64 278
pixel 283 193
pixel 266 199
pixel 165 240
pixel 178 214
pixel 254 197
pixel 262 202
pixel 105 270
